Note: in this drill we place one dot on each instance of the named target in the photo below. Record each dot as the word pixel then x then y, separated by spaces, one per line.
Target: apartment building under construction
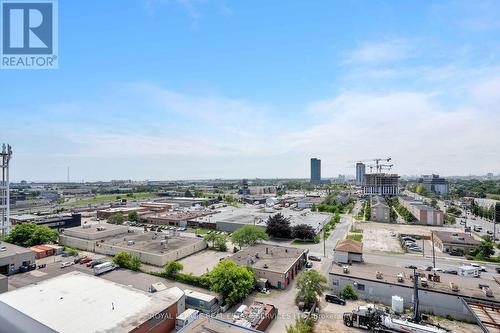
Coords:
pixel 382 184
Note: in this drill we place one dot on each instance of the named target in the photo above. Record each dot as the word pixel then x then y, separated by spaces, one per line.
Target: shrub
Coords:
pixel 348 292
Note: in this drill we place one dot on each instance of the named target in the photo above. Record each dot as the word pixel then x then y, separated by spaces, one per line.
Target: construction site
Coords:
pixel 378 182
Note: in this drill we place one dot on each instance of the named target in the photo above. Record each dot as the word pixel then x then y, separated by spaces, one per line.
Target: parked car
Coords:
pixel 450 271
pixel 334 299
pixel 67 264
pixel 314 258
pixel 309 264
pixel 456 253
pixel 498 270
pixel 199 236
pixel 406 238
pixel 428 268
pixel 481 268
pixel 85 260
pixel 94 263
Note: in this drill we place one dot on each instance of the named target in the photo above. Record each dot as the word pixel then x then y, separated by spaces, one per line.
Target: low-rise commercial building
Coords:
pixel 78 302
pixel 278 264
pixel 380 211
pixel 151 247
pixel 176 219
pixel 229 219
pixel 257 316
pixel 348 251
pixel 434 183
pixel 424 214
pixel 441 296
pixel 202 302
pixel 204 324
pixel 12 257
pixel 58 222
pixel 455 241
pixel 4 283
pixel 107 212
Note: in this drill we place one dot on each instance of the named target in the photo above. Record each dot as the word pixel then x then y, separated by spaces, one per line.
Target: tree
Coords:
pixel 172 267
pixel 211 238
pixel 348 292
pixel 311 285
pixel 116 218
pixel 133 216
pixel 29 234
pixel 303 231
pixel 248 235
pixel 122 259
pixel 278 226
pixel 434 203
pixel 232 281
pixel 220 242
pixel 135 263
pixel 301 325
pixel 485 250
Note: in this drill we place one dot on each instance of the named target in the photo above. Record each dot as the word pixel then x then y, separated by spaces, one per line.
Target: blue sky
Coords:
pixel 152 89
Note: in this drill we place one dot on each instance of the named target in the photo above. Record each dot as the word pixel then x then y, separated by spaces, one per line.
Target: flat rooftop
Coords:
pixel 206 324
pixel 269 257
pixel 78 302
pixel 469 286
pixel 151 242
pixel 11 249
pixel 459 238
pixel 259 216
pixel 96 228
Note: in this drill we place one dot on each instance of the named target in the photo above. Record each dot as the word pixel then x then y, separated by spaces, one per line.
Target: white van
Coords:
pixel 239 311
pixel 469 271
pixel 186 318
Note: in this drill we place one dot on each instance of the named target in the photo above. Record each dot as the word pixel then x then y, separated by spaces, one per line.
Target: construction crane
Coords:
pixel 377 166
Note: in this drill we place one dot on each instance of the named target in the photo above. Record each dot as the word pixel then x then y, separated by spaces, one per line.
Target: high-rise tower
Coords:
pixel 5 156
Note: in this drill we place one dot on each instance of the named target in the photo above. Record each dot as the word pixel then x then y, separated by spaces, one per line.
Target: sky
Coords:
pixel 198 89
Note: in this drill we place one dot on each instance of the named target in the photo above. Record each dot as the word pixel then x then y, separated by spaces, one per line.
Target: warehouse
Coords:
pixel 12 257
pixel 151 247
pixel 229 219
pixel 58 222
pixel 211 324
pixel 348 251
pixel 378 283
pixel 77 302
pixel 278 264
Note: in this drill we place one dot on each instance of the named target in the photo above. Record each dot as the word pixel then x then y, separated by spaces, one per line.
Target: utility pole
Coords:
pixel 433 251
pixel 416 313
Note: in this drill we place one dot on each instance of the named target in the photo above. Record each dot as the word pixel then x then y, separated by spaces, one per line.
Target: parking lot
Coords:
pixel 203 261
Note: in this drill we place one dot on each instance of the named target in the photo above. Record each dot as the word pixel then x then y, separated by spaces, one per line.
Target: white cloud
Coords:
pixel 381 52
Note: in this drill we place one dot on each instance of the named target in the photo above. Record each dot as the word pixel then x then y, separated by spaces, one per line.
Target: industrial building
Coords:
pixel 107 212
pixel 278 264
pixel 176 219
pixel 202 302
pixel 315 171
pixel 442 295
pixel 348 251
pixel 380 211
pixel 424 214
pixel 257 316
pixel 455 241
pixel 360 173
pixel 151 247
pixel 12 257
pixel 58 222
pixel 204 324
pixel 382 184
pixel 434 183
pixel 4 283
pixel 78 302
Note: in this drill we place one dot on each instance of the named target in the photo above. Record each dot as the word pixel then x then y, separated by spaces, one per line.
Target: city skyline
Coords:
pixel 198 90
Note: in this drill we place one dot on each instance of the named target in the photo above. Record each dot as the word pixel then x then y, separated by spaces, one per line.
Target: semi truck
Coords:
pixel 376 320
